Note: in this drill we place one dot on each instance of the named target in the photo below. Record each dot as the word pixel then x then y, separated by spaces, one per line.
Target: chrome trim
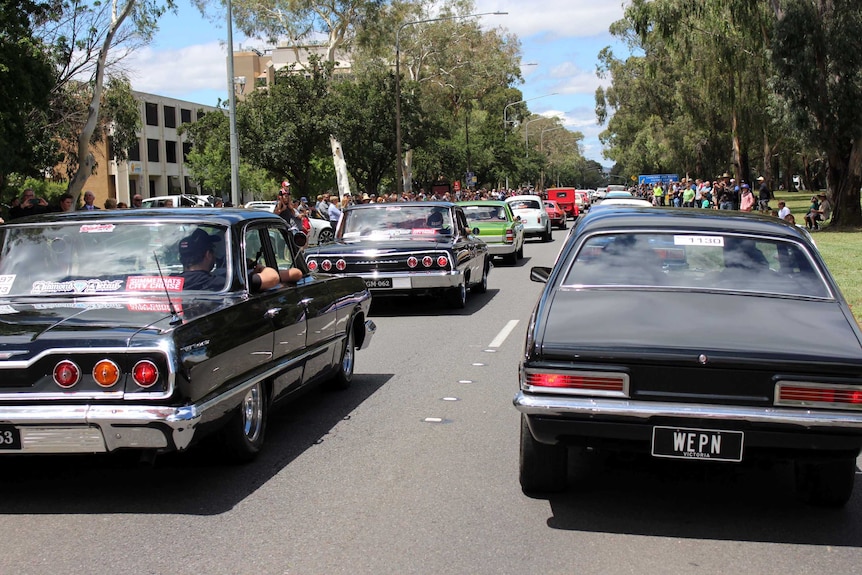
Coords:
pixel 594 408
pixel 370 330
pixel 132 395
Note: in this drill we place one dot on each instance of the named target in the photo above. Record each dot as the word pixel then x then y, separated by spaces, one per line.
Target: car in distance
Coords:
pixel 407 248
pixel 179 201
pixel 692 336
pixel 556 213
pixel 565 197
pixel 320 231
pixel 498 227
pixel 533 215
pixel 116 336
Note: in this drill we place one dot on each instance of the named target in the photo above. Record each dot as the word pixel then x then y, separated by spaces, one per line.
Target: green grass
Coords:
pixel 841 249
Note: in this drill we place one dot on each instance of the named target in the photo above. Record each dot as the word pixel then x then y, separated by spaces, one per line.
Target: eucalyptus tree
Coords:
pixel 26 79
pixel 816 52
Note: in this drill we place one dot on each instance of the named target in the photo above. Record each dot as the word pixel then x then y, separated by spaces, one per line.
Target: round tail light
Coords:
pixel 341 265
pixel 442 261
pixel 145 373
pixel 66 374
pixel 427 261
pixel 106 373
pixel 312 265
pixel 412 262
pixel 326 265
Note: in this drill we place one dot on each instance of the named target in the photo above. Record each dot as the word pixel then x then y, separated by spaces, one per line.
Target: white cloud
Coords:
pixel 176 72
pixel 553 18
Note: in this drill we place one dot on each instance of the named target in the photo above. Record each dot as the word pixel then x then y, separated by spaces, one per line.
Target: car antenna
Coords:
pixel 175 318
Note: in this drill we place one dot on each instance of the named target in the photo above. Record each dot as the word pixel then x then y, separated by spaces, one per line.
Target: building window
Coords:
pixel 187 147
pixel 152 113
pixel 170 117
pixel 135 152
pixel 170 152
pixel 185 116
pixel 152 150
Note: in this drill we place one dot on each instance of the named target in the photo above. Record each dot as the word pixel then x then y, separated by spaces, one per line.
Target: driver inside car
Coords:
pixel 198 259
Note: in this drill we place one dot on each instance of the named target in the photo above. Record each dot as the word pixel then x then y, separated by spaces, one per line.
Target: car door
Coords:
pixel 474 246
pixel 310 297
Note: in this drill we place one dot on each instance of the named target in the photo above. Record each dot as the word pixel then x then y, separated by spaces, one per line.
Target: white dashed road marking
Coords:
pixel 504 333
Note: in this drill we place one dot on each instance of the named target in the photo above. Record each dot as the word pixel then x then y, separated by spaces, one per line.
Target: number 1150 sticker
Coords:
pixel 713 241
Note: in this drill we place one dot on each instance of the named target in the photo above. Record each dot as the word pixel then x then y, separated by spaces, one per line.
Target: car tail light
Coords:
pixel 312 265
pixel 427 261
pixel 412 262
pixel 442 261
pixel 341 265
pixel 510 236
pixel 106 373
pixel 66 374
pixel 145 373
pixel 326 265
pixel 818 395
pixel 575 382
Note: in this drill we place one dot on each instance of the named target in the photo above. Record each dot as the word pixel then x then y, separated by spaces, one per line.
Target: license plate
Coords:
pixel 378 283
pixel 705 444
pixel 10 437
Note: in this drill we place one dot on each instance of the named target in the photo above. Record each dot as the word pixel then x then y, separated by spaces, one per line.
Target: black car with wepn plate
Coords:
pixel 403 248
pixel 694 335
pixel 144 329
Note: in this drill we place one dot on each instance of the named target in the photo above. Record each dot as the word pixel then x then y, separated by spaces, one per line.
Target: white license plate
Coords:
pixel 691 443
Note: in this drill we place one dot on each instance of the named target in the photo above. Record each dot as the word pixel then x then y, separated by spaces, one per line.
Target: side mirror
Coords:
pixel 475 231
pixel 300 239
pixel 540 274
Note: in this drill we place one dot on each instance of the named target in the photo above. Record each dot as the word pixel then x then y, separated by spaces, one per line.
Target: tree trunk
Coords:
pixel 86 161
pixel 844 178
pixel 340 167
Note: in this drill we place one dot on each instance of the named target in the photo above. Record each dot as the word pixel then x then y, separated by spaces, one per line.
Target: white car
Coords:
pixel 179 201
pixel 625 202
pixel 320 232
pixel 533 215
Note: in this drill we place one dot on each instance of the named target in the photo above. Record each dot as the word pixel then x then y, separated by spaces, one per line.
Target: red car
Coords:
pixel 557 214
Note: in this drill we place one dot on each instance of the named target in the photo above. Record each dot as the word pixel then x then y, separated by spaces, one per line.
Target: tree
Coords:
pixel 815 51
pixel 26 79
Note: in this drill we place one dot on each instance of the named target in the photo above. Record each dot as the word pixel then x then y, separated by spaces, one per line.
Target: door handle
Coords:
pixel 272 312
pixel 306 301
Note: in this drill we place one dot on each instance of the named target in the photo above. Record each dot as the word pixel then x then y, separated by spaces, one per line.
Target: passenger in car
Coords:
pixel 198 259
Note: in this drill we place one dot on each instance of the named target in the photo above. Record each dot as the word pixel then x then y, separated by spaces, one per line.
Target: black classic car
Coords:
pixel 407 248
pixel 150 329
pixel 693 335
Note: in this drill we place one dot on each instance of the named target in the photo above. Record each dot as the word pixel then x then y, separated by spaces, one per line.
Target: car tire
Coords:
pixel 542 468
pixel 564 225
pixel 546 236
pixel 482 286
pixel 828 483
pixel 325 236
pixel 511 258
pixel 457 296
pixel 243 435
pixel 344 376
pixel 520 253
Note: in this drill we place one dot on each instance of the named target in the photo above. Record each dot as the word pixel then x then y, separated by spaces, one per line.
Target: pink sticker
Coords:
pixel 154 283
pixel 425 231
pixel 96 228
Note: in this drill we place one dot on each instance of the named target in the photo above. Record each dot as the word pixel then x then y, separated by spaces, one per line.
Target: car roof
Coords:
pixel 388 204
pixel 722 221
pixel 481 203
pixel 523 197
pixel 217 216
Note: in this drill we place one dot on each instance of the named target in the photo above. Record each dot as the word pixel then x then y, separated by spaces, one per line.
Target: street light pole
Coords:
pixel 527 134
pixel 399 152
pixel 506 107
pixel 234 140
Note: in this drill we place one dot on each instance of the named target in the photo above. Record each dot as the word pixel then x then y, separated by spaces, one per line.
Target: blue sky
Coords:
pixel 563 38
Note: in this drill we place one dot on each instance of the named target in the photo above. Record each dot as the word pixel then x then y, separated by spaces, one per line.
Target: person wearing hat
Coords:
pixel 197 255
pixel 764 194
pixel 820 211
pixel 746 202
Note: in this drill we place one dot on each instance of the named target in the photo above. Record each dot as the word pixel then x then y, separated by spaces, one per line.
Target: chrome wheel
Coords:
pixel 344 376
pixel 244 433
pixel 325 236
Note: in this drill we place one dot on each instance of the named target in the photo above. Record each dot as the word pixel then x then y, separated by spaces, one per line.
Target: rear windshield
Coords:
pixel 488 213
pixel 406 221
pixel 525 205
pixel 694 260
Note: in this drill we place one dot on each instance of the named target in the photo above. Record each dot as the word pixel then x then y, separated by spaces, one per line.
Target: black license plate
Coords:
pixel 10 437
pixel 379 283
pixel 704 444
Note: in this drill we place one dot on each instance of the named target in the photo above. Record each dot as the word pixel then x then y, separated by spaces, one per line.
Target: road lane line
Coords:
pixel 504 333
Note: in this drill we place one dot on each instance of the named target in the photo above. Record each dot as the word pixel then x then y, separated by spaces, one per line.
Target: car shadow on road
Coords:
pixel 754 502
pixel 197 482
pixel 424 306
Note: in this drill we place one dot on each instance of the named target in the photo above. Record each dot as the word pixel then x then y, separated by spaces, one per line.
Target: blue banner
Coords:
pixel 657 178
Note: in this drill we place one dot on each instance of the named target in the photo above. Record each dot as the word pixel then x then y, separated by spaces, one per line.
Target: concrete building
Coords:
pixel 156 166
pixel 255 68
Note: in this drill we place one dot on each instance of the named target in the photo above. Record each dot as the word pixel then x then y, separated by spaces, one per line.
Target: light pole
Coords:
pixel 527 134
pixel 506 107
pixel 399 153
pixel 234 140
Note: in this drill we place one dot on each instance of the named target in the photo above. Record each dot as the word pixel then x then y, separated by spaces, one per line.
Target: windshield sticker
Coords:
pixel 88 305
pixel 6 283
pixel 154 283
pixel 714 241
pixel 425 231
pixel 7 309
pixel 77 286
pixel 96 228
pixel 156 307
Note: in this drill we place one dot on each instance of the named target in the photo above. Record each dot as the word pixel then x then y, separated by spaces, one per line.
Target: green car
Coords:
pixel 498 227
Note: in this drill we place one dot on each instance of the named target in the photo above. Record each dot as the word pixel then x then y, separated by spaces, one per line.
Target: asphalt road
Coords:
pixel 414 470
